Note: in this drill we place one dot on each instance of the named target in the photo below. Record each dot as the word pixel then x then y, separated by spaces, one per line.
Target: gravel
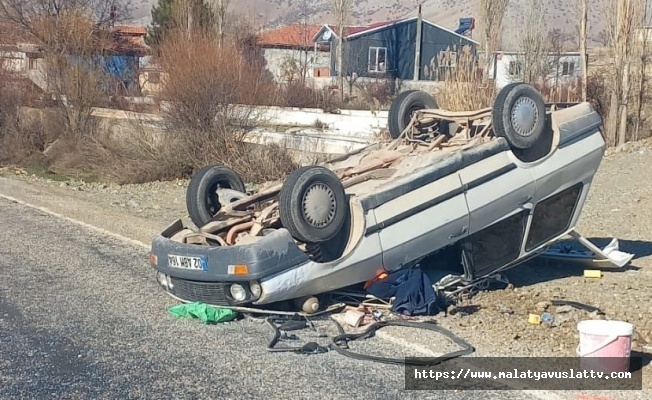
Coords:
pixel 619 205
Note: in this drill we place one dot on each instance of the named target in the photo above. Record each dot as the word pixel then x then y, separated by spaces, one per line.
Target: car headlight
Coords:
pixel 238 292
pixel 255 288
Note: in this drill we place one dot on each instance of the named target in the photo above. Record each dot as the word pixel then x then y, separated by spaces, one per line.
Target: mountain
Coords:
pixel 559 14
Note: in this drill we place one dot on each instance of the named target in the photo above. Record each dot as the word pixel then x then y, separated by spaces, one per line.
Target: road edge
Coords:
pixel 76 221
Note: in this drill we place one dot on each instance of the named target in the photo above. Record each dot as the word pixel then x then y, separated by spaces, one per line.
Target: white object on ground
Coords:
pixel 610 254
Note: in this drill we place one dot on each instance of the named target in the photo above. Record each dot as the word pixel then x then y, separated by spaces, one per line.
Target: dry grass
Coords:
pixel 463 87
pixel 296 94
pixel 376 93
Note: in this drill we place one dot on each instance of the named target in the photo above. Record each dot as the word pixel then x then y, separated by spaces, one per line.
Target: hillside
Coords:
pixel 265 13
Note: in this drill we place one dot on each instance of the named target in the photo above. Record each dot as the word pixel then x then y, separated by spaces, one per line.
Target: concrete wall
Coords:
pixel 349 123
pixel 151 81
pixel 14 61
pixel 402 85
pixel 285 64
pixel 293 129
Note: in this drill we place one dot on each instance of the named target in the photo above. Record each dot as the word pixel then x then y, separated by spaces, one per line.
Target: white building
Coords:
pixel 507 67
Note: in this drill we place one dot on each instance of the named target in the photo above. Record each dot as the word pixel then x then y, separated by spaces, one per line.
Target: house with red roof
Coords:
pixel 385 49
pixel 291 53
pixel 25 60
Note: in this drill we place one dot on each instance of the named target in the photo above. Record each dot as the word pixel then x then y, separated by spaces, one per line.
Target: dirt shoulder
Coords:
pixel 619 205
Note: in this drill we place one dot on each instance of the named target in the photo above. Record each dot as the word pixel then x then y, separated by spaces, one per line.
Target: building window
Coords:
pixel 448 59
pixel 33 63
pixel 567 68
pixel 154 78
pixel 515 68
pixel 377 59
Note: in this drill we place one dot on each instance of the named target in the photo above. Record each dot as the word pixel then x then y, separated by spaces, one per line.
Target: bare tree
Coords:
pixel 492 13
pixel 551 62
pixel 534 43
pixel 583 13
pixel 219 8
pixel 622 28
pixel 73 38
pixel 28 13
pixel 342 10
pixel 643 59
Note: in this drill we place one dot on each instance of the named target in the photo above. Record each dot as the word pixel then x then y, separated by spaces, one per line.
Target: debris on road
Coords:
pixel 567 305
pixel 547 318
pixel 412 291
pixel 592 273
pixel 591 254
pixel 205 313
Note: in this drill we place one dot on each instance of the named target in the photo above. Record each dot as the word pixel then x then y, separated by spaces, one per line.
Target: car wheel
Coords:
pixel 519 115
pixel 406 103
pixel 392 122
pixel 498 126
pixel 312 204
pixel 203 199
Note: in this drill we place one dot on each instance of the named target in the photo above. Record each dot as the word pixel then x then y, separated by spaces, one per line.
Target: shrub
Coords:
pixel 462 87
pixel 376 93
pixel 15 144
pixel 207 87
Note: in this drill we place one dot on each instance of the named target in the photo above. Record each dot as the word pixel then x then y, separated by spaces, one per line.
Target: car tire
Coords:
pixel 312 204
pixel 400 112
pixel 519 115
pixel 497 123
pixel 392 121
pixel 202 200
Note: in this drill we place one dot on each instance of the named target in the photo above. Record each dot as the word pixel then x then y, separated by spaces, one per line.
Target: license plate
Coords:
pixel 186 262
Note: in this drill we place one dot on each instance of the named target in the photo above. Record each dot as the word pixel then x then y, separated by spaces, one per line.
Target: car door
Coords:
pixel 498 193
pixel 496 187
pixel 422 220
pixel 562 183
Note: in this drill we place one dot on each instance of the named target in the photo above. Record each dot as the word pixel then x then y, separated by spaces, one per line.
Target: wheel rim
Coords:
pixel 524 116
pixel 319 205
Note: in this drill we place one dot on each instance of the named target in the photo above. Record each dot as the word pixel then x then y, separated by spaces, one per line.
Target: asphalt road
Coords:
pixel 82 317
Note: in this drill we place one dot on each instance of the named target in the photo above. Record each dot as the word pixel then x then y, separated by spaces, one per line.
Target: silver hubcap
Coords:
pixel 319 205
pixel 524 116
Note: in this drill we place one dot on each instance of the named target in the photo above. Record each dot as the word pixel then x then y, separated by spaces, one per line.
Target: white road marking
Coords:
pixel 426 352
pixel 78 222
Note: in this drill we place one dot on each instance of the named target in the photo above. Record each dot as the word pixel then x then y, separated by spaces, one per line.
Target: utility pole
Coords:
pixel 583 28
pixel 190 19
pixel 417 46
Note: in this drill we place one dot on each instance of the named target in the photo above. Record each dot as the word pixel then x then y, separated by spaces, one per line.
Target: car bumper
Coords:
pixel 221 267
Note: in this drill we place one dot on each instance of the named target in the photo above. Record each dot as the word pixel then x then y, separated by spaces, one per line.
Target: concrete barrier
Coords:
pixel 358 123
pixel 293 129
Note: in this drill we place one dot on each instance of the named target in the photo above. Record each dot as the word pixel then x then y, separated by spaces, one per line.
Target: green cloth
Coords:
pixel 207 314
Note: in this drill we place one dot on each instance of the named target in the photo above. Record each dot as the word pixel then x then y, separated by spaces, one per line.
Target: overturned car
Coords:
pixel 488 189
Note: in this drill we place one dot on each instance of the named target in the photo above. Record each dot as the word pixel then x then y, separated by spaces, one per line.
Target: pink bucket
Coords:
pixel 605 346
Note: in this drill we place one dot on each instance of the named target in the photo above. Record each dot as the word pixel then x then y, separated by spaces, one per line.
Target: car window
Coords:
pixel 552 216
pixel 498 244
